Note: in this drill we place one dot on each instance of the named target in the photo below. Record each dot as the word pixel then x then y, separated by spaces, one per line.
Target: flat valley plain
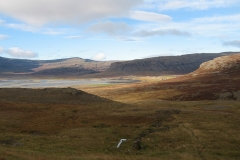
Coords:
pixel 88 121
pixel 43 83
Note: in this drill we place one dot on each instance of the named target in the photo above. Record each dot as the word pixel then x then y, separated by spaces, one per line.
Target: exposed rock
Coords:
pixel 163 65
pixel 221 65
pixel 78 66
pixel 217 79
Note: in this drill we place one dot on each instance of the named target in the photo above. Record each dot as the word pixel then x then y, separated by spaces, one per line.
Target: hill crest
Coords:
pixel 220 65
pixel 183 64
pixel 75 67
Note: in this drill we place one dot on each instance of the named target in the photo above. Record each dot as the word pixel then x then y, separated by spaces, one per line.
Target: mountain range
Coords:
pixel 217 79
pixel 59 67
pixel 163 65
pixel 73 67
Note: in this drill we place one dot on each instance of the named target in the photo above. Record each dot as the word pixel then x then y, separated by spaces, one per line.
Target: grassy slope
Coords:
pixel 205 130
pixel 70 124
pixel 207 127
pixel 82 130
pixel 216 79
pixel 61 129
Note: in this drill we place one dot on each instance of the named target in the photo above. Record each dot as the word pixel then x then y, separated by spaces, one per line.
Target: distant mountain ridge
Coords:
pixel 217 79
pixel 72 67
pixel 59 67
pixel 163 65
pixel 17 65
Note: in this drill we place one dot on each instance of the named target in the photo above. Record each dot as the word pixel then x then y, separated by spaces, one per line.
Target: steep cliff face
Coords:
pixel 163 65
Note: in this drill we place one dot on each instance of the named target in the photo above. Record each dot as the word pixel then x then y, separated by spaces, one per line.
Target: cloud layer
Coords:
pixel 2 36
pixel 218 19
pixel 149 16
pixel 1 49
pixel 40 12
pixel 144 33
pixel 111 28
pixel 235 43
pixel 188 4
pixel 99 57
pixel 20 53
pixel 74 37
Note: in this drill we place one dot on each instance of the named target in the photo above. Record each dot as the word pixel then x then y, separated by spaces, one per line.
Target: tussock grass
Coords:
pixel 91 127
pixel 202 130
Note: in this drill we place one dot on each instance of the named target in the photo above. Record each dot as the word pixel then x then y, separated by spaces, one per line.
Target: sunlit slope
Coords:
pixel 214 80
pixel 163 65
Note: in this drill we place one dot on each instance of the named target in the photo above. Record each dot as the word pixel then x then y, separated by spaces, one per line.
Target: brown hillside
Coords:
pixel 214 80
pixel 49 95
pixel 227 65
pixel 163 65
pixel 59 67
pixel 75 67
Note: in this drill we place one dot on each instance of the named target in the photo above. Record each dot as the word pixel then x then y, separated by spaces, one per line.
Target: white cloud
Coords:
pixel 212 26
pixel 53 31
pixel 22 27
pixel 130 39
pixel 19 53
pixel 1 49
pixel 184 4
pixel 149 16
pixel 189 4
pixel 175 32
pixel 40 12
pixel 2 36
pixel 235 43
pixel 74 37
pixel 2 22
pixel 216 25
pixel 99 57
pixel 111 28
pixel 34 29
pixel 218 19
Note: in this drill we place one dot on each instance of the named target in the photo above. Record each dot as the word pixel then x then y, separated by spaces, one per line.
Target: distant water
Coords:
pixel 44 83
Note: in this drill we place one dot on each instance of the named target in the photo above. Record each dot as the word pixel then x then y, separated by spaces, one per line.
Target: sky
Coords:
pixel 117 29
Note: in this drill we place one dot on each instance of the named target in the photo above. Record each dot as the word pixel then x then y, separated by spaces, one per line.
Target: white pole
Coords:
pixel 120 142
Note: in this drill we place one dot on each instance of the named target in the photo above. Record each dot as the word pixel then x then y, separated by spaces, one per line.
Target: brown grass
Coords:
pixel 202 130
pixel 66 124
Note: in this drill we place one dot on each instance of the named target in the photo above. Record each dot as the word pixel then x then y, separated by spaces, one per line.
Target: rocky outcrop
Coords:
pixel 217 79
pixel 221 65
pixel 163 65
pixel 78 67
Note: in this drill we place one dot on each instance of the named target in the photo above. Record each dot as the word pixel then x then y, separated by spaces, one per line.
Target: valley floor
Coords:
pixel 91 127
